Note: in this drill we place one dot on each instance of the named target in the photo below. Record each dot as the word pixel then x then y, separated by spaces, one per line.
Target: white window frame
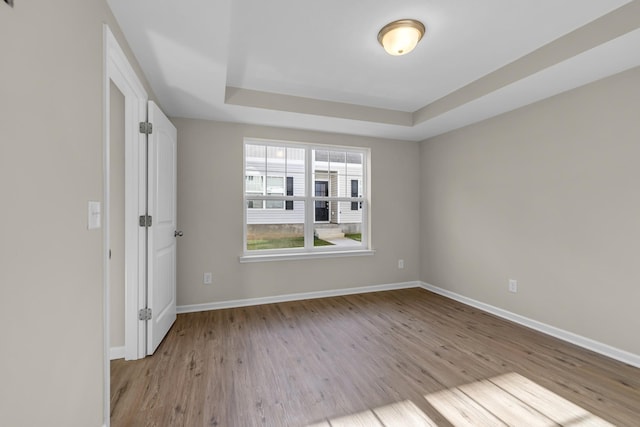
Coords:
pixel 309 199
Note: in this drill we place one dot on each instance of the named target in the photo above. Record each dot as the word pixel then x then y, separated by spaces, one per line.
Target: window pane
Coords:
pixel 355 173
pixel 289 186
pixel 276 229
pixel 319 241
pixel 295 169
pixel 289 203
pixel 320 168
pixel 275 185
pixel 337 174
pixel 255 204
pixel 337 157
pixel 281 236
pixel 255 151
pixel 322 208
pixel 344 229
pixel 275 204
pixel 255 170
pixel 350 219
pixel 254 184
pixel 276 161
pixel 354 193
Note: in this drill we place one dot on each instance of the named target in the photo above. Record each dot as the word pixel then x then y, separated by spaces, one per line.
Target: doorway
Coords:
pixel 322 206
pixel 140 150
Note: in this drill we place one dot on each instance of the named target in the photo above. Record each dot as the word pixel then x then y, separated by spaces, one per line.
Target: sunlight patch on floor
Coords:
pixel 505 400
pixel 399 414
pixel 509 399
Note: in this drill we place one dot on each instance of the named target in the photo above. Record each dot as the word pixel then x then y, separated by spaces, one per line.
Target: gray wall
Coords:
pixel 210 211
pixel 51 164
pixel 547 195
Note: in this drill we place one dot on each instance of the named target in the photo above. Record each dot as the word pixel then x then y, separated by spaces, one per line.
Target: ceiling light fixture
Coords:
pixel 401 37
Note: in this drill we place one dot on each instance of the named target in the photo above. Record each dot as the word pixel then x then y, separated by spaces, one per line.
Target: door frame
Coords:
pixel 118 70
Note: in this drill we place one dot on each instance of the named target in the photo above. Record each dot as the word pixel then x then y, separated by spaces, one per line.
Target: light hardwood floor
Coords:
pixel 335 361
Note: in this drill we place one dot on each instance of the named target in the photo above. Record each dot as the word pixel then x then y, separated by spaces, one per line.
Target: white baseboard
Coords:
pixel 116 353
pixel 589 344
pixel 293 297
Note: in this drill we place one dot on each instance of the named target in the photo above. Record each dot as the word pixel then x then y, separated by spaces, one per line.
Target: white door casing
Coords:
pixel 120 72
pixel 150 265
pixel 162 196
pixel 161 239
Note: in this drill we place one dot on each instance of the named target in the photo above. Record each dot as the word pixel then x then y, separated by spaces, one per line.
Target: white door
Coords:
pixel 161 238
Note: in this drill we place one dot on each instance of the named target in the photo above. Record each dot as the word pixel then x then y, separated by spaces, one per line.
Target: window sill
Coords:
pixel 306 255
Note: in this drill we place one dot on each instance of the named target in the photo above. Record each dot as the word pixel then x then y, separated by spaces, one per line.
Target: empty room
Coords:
pixel 296 213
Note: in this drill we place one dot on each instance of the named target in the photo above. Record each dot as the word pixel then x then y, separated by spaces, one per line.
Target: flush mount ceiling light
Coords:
pixel 401 37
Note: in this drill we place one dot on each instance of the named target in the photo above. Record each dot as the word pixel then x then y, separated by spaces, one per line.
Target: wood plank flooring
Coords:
pixel 350 360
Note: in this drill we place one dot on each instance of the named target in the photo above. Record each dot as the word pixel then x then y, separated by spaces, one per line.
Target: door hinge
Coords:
pixel 145 220
pixel 144 314
pixel 146 128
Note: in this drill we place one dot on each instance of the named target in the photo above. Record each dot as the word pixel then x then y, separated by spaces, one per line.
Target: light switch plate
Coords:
pixel 94 215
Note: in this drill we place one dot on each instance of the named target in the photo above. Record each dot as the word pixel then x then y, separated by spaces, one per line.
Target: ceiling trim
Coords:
pixel 317 107
pixel 604 29
pixel 611 26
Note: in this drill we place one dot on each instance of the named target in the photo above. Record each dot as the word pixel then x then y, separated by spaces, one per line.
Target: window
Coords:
pixel 289 203
pixel 303 199
pixel 354 193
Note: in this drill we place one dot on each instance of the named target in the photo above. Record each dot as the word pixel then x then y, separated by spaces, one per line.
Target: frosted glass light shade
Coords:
pixel 401 37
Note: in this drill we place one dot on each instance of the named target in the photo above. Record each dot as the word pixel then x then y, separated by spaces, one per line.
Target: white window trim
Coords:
pixel 304 255
pixel 309 251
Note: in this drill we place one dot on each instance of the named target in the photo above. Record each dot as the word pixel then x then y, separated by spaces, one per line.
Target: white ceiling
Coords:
pixel 197 54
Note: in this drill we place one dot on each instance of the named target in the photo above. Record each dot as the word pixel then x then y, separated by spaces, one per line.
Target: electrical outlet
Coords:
pixel 207 279
pixel 513 286
pixel 400 263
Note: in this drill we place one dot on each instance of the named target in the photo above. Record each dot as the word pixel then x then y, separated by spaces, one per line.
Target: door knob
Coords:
pixel 178 233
